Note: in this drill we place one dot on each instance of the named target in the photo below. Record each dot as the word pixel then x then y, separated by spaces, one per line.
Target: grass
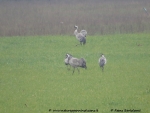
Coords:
pixel 34 79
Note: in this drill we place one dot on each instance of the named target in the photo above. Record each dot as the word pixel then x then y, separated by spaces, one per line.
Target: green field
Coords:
pixel 34 79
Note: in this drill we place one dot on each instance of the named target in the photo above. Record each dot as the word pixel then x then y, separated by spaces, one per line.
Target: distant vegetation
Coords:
pixel 55 17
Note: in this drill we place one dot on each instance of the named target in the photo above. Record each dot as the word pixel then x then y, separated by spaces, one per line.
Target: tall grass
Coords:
pixel 34 78
pixel 23 17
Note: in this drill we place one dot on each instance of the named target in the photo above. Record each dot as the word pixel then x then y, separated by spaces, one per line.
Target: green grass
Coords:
pixel 34 79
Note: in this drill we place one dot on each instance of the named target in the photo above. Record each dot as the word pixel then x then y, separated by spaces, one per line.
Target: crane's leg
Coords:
pixel 78 70
pixel 73 71
pixel 77 44
pixel 102 69
pixel 81 43
pixel 68 67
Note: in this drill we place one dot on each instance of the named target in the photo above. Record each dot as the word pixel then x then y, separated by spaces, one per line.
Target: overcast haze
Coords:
pixel 57 17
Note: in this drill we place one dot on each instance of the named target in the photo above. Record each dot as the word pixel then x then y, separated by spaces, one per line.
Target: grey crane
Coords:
pixel 102 61
pixel 145 10
pixel 81 37
pixel 75 62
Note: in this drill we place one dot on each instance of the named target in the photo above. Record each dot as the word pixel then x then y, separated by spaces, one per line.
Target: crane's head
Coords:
pixel 68 55
pixel 145 9
pixel 102 55
pixel 76 27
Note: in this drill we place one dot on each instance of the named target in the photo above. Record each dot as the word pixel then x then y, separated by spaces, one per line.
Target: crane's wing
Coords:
pixel 102 62
pixel 84 32
pixel 82 38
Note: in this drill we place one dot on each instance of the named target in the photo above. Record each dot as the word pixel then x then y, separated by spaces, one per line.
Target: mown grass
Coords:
pixel 33 77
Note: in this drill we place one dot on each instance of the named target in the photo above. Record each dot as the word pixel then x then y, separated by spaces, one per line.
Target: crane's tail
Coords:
pixel 84 41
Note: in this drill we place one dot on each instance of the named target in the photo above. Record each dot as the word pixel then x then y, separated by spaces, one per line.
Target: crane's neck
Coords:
pixel 76 31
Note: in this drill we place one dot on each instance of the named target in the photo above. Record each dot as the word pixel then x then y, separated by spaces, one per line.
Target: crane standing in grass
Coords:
pixel 102 61
pixel 80 36
pixel 75 62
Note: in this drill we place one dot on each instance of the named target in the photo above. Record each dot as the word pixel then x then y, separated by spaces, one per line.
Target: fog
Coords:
pixel 57 17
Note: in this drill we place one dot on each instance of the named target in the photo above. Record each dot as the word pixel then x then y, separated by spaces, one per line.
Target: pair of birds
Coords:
pixel 75 62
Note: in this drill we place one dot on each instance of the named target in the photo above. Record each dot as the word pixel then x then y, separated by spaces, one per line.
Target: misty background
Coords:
pixel 58 17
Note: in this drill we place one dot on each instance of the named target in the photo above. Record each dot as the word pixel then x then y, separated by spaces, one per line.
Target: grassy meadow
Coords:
pixel 34 79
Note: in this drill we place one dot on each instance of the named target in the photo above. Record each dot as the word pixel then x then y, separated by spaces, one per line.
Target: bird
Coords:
pixel 81 37
pixel 102 61
pixel 145 10
pixel 75 62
